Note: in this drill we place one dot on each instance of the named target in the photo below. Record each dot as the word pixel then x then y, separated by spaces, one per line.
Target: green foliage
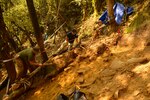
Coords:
pixel 49 12
pixel 61 11
pixel 141 18
pixel 19 15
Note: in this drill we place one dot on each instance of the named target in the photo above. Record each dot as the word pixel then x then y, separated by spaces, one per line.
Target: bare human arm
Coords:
pixel 35 63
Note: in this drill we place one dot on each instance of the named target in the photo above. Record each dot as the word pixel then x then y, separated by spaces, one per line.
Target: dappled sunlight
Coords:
pixel 94 65
pixel 143 71
pixel 86 28
pixel 127 98
pixel 144 75
pixel 141 45
pixel 38 92
pixel 100 68
pixel 122 79
pixel 120 50
pixel 134 95
pixel 104 96
pixel 142 68
pixel 64 81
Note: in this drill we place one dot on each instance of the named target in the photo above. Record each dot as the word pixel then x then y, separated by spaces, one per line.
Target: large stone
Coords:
pixel 80 80
pixel 137 60
pixel 98 49
pixel 64 60
pixel 117 64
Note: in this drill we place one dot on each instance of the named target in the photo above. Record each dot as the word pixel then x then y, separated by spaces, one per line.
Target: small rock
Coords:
pixel 81 71
pixel 98 49
pixel 136 92
pixel 148 85
pixel 108 72
pixel 137 60
pixel 118 93
pixel 80 80
pixel 67 68
pixel 106 60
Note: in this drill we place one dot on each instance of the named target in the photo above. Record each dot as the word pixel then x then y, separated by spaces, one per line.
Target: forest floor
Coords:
pixel 103 71
pixel 122 72
pixel 119 72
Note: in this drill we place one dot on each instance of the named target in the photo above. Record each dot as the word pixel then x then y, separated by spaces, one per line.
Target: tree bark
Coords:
pixel 5 32
pixel 10 67
pixel 36 28
pixel 110 4
pixel 5 49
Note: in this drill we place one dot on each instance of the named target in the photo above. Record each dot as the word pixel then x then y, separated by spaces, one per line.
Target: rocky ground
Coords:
pixel 103 71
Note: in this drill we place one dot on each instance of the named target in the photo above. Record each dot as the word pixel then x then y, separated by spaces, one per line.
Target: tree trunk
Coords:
pixel 36 28
pixel 110 4
pixel 5 32
pixel 4 52
pixel 10 67
pixel 5 49
pixel 12 42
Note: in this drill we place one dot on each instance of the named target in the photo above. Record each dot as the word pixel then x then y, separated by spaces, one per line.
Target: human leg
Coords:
pixel 70 46
pixel 20 68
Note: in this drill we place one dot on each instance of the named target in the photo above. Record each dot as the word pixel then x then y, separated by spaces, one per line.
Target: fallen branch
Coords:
pixel 57 30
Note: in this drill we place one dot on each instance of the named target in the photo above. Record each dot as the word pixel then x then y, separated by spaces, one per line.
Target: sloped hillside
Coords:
pixel 102 70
